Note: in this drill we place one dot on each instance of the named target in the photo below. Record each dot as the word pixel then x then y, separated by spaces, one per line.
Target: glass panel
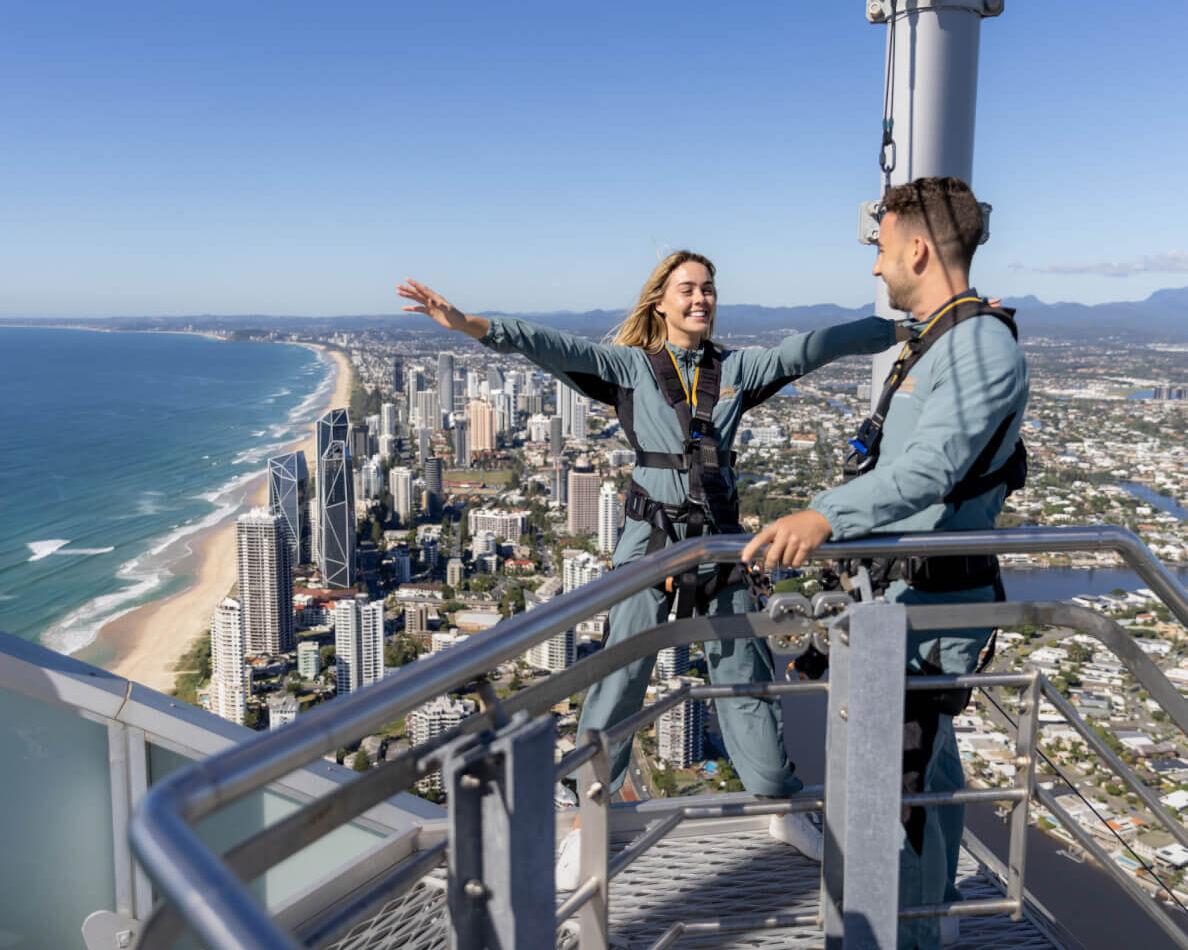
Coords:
pixel 55 825
pixel 233 824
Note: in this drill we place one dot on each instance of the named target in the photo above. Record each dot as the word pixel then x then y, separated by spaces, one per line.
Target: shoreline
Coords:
pixel 145 644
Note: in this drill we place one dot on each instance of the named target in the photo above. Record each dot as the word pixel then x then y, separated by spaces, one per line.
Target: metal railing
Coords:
pixel 207 891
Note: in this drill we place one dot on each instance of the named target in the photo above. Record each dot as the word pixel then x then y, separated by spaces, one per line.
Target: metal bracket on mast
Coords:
pixel 870 213
pixel 880 11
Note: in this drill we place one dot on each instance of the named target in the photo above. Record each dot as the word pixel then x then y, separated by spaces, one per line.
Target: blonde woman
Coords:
pixel 679 398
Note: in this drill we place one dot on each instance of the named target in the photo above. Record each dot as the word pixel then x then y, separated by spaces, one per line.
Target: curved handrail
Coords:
pixel 211 897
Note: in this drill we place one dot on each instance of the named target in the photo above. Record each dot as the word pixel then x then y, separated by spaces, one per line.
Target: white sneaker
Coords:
pixel 950 930
pixel 569 860
pixel 795 829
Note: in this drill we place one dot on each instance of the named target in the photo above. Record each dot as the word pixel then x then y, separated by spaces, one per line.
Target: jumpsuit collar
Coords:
pixel 919 325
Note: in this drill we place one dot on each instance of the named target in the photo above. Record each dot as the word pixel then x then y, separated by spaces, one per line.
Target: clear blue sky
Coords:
pixel 301 158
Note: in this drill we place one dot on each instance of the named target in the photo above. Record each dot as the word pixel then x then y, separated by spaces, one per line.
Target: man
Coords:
pixel 947 452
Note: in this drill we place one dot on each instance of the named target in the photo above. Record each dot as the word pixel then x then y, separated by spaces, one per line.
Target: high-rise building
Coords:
pixel 584 486
pixel 402 564
pixel 482 426
pixel 424 444
pixel 334 426
pixel 580 569
pixel 608 517
pixel 265 582
pixel 559 651
pixel 445 382
pixel 388 419
pixel 309 659
pixel 400 487
pixel 577 426
pixel 358 643
pixel 430 721
pixel 560 483
pixel 387 446
pixel 556 436
pixel 416 619
pixel 288 496
pixel 494 378
pixel 230 678
pixel 372 479
pixel 508 525
pixel 430 553
pixel 680 731
pixel 414 382
pixel 336 517
pixel 360 442
pixel 565 397
pixel 433 488
pixel 427 410
pixel 397 373
pixel 482 542
pixel 462 443
pixel 454 571
pixel 672 661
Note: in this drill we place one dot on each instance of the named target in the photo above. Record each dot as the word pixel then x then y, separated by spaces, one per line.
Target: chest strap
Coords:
pixel 864 454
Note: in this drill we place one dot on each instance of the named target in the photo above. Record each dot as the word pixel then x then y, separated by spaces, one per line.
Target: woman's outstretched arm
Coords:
pixel 441 310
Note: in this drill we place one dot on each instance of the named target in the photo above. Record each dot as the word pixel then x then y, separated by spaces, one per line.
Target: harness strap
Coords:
pixel 678 460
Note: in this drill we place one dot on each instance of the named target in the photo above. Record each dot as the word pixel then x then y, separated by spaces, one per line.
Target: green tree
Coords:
pixel 361 762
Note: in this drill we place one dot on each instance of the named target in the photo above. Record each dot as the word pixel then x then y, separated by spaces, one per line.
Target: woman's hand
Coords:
pixel 441 310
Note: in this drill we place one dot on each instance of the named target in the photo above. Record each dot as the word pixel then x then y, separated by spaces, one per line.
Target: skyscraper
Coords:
pixel 288 496
pixel 565 397
pixel 560 487
pixel 433 487
pixel 494 378
pixel 265 582
pixel 358 643
pixel 445 382
pixel 584 485
pixel 333 426
pixel 579 570
pixel 577 423
pixel 230 681
pixel 431 720
pixel 360 442
pixel 482 426
pixel 556 436
pixel 608 517
pixel 462 443
pixel 400 486
pixel 336 517
pixel 428 409
pixel 388 419
pixel 397 373
pixel 680 731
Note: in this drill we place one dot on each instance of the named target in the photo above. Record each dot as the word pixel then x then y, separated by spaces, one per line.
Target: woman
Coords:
pixel 682 432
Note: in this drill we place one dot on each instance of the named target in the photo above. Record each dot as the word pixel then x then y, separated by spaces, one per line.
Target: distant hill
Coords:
pixel 1162 316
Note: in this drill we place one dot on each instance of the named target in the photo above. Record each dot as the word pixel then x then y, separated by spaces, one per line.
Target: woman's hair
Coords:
pixel 644 327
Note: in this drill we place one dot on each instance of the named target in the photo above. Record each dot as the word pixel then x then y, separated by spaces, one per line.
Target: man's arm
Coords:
pixel 977 382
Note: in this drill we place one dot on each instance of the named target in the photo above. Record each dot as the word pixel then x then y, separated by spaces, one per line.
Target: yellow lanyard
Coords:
pixel 907 346
pixel 691 400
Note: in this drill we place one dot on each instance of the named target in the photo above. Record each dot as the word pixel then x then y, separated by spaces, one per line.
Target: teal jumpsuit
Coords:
pixel 972 379
pixel 752 728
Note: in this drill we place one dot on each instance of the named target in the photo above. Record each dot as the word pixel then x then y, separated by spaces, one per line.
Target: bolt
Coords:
pixel 782 643
pixel 1022 761
pixel 993 7
pixel 844 636
pixel 474 889
pixel 469 782
pixel 1024 708
pixel 124 938
pixel 844 713
pixel 594 792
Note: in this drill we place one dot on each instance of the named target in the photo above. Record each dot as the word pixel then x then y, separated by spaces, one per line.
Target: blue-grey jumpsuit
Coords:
pixel 942 417
pixel 752 728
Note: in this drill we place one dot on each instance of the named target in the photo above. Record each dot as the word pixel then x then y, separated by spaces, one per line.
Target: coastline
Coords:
pixel 145 644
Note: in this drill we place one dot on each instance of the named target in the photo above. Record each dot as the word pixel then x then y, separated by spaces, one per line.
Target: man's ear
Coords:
pixel 919 253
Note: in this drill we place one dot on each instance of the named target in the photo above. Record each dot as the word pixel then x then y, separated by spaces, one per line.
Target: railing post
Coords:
pixel 863 778
pixel 501 891
pixel 1029 700
pixel 594 796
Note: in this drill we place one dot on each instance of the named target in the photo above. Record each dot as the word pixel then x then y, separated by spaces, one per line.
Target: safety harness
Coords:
pixel 949 573
pixel 711 506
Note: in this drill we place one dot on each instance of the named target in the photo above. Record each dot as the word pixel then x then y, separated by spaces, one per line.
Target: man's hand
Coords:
pixel 790 540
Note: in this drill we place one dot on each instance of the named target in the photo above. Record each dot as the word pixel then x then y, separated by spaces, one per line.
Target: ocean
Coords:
pixel 119 448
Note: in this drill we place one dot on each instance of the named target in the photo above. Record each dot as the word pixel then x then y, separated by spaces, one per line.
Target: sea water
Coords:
pixel 119 448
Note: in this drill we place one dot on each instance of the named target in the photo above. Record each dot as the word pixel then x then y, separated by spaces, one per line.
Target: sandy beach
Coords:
pixel 146 643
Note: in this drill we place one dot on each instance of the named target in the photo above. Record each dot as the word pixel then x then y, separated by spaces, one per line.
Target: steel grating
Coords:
pixel 697 878
pixel 415 920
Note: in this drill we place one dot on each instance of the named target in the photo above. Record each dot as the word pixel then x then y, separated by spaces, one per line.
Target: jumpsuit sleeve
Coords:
pixel 976 382
pixel 766 372
pixel 573 359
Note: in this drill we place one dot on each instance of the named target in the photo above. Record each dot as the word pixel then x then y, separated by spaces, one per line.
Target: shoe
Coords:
pixel 795 829
pixel 569 861
pixel 950 930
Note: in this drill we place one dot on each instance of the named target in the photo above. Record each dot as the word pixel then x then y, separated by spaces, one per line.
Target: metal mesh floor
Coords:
pixel 697 878
pixel 701 877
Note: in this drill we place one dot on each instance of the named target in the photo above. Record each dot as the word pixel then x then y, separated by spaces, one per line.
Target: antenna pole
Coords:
pixel 931 99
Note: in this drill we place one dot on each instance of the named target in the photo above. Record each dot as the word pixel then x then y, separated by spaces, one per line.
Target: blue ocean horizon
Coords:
pixel 120 448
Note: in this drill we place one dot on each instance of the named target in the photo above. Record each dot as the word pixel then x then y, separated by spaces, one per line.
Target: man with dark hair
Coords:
pixel 939 453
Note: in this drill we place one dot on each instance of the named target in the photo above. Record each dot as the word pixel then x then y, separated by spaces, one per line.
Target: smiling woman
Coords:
pixel 679 399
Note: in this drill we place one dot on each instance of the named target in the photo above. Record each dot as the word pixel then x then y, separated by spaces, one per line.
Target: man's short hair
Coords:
pixel 943 208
